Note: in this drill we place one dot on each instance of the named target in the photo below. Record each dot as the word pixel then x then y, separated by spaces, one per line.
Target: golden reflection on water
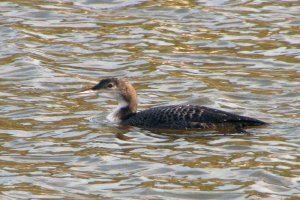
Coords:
pixel 240 56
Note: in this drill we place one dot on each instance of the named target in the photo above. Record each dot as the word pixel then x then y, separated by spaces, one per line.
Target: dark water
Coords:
pixel 241 56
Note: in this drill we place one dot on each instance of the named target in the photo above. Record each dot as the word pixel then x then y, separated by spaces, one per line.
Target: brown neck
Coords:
pixel 132 103
pixel 128 101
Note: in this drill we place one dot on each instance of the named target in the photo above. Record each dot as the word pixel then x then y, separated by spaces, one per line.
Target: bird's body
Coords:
pixel 187 116
pixel 167 117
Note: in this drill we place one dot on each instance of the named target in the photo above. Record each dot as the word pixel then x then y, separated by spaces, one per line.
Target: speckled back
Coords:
pixel 186 116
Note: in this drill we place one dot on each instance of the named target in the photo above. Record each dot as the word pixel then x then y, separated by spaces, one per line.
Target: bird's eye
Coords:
pixel 110 85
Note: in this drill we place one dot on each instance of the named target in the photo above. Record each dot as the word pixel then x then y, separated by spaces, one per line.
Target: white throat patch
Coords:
pixel 113 116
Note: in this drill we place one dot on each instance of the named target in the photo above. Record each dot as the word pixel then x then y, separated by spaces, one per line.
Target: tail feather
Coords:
pixel 248 121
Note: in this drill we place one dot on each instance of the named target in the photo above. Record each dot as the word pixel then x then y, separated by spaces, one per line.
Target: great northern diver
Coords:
pixel 166 117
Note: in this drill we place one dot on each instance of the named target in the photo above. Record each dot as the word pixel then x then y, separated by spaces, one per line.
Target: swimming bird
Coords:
pixel 165 117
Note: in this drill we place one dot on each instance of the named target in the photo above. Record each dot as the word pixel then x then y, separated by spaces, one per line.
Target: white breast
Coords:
pixel 113 116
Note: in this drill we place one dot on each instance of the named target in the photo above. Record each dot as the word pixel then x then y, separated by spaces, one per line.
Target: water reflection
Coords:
pixel 240 56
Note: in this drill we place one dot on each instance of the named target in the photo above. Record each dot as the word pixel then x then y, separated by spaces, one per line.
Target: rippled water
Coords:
pixel 241 56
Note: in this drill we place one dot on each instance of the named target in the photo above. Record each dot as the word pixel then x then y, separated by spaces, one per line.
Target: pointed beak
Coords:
pixel 87 91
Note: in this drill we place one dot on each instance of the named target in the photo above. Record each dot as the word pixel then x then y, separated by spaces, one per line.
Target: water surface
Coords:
pixel 239 56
